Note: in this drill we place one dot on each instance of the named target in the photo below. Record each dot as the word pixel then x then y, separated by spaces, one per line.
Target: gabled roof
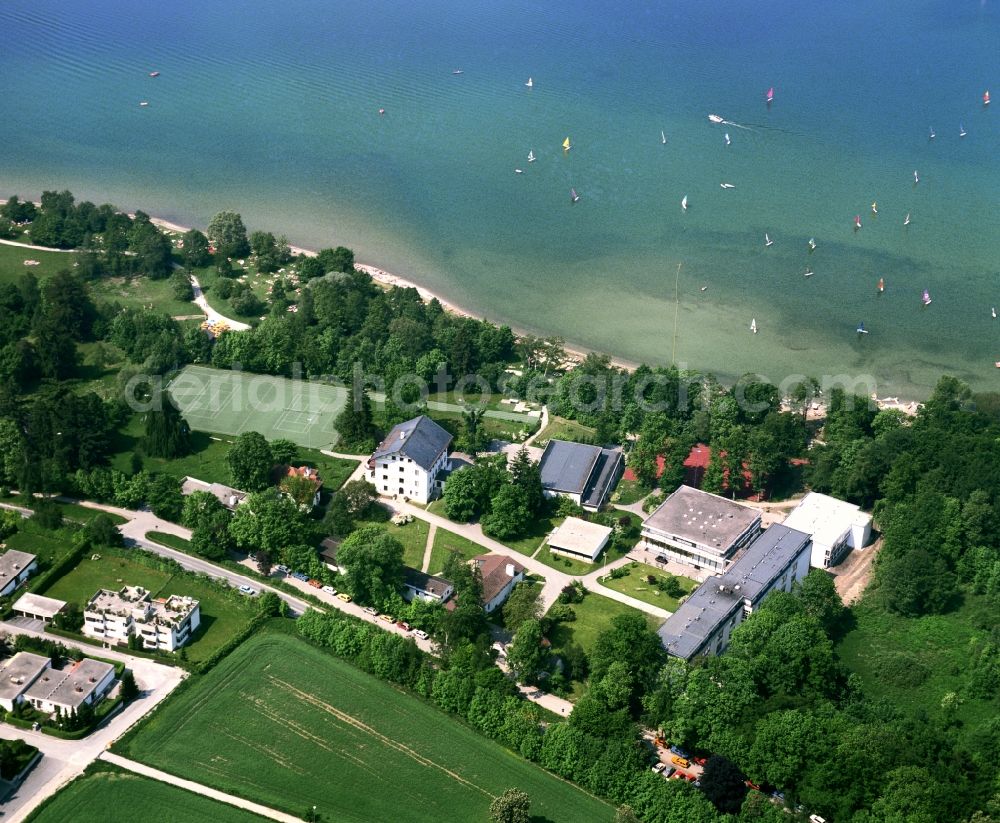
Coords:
pixel 420 439
pixel 421 581
pixel 493 569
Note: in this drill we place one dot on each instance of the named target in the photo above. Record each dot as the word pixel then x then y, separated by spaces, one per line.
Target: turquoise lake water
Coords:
pixel 272 109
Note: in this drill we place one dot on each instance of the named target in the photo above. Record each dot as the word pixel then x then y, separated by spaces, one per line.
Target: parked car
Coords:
pixel 329 590
pixel 679 752
pixel 420 633
pixel 316 584
pixel 345 597
pixel 299 576
pixel 388 618
pixel 670 772
pixel 683 762
pixel 701 761
pixel 282 569
pixel 249 591
pixel 659 767
pixel 815 818
pixel 403 625
pixel 371 610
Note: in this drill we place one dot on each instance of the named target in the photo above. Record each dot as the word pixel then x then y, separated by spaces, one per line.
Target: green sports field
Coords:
pixel 106 794
pixel 286 724
pixel 232 402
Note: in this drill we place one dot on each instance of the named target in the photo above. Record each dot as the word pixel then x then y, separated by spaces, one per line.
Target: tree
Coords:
pixel 272 605
pixel 267 521
pixel 915 582
pixel 359 495
pixel 373 562
pixel 511 807
pixel 820 598
pixel 509 516
pixel 524 603
pixel 208 520
pixel 473 438
pixel 527 474
pixel 229 235
pixel 625 814
pixel 284 452
pixel 129 690
pixel 354 423
pixel 164 497
pixel 263 561
pixel 194 250
pixel 527 656
pixel 629 640
pixel 722 783
pixel 102 531
pixel 250 462
pixel 461 496
pixel 166 432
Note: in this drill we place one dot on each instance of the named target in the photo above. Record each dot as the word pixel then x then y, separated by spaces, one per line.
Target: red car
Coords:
pixel 403 625
pixel 316 584
pixel 701 761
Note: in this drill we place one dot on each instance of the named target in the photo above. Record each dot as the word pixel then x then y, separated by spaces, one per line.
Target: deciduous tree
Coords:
pixel 250 462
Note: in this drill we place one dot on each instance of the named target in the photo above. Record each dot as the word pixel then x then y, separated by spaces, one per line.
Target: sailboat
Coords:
pixel 753 325
pixel 861 328
pixel 566 145
pixel 874 207
pixel 881 285
pixel 157 74
pixel 857 221
pixel 458 71
pixel 573 196
pixel 518 171
pixel 531 156
pixel 684 203
pixel 906 220
pixel 961 130
pixel 767 240
pixel 932 135
pixel 993 311
pixel 986 97
pixel 926 299
pixel 727 186
pixel 808 272
pixel 663 138
pixel 144 103
pixel 530 83
pixel 812 244
pixel 770 95
pixel 728 141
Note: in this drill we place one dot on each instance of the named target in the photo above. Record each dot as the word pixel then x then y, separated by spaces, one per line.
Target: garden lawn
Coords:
pixel 568 565
pixel 914 662
pixel 223 611
pixel 140 292
pixel 105 794
pixel 446 542
pixel 635 585
pixel 171 540
pixel 12 258
pixel 48 546
pixel 593 616
pixel 560 428
pixel 538 530
pixel 413 536
pixel 290 726
pixel 630 491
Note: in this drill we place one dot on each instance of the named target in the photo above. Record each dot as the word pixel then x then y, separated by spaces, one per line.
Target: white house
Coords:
pixel 17 673
pixel 164 624
pixel 836 527
pixel 408 461
pixel 65 690
pixel 579 539
pixel 704 622
pixel 15 568
pixel 425 586
pixel 500 574
pixel 699 529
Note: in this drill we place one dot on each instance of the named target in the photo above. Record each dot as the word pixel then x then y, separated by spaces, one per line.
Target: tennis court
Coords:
pixel 233 402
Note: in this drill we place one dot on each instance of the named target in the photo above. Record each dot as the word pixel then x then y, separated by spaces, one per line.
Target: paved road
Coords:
pixel 36 248
pixel 211 314
pixel 65 759
pixel 198 788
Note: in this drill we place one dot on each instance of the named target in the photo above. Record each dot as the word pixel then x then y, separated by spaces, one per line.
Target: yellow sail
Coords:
pixel 566 144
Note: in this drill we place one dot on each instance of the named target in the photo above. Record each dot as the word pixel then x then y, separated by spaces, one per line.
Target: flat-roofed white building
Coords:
pixel 699 529
pixel 836 527
pixel 65 690
pixel 163 624
pixel 579 539
pixel 15 568
pixel 38 607
pixel 17 673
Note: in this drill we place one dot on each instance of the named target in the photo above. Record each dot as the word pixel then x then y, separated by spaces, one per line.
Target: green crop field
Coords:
pixel 287 725
pixel 109 795
pixel 230 402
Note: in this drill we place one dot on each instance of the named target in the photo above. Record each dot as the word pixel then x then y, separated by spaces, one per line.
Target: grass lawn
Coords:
pixel 171 540
pixel 537 532
pixel 569 565
pixel 12 258
pixel 914 662
pixel 48 545
pixel 107 794
pixel 413 536
pixel 492 427
pixel 223 611
pixel 593 616
pixel 630 491
pixel 446 542
pixel 635 585
pixel 560 428
pixel 290 726
pixel 139 292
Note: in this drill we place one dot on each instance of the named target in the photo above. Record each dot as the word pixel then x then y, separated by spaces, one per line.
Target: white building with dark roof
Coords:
pixel 836 527
pixel 425 586
pixel 407 463
pixel 699 529
pixel 585 474
pixel 500 574
pixel 702 626
pixel 15 568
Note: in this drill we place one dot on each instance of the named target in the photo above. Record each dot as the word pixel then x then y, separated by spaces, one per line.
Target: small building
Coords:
pixel 836 527
pixel 38 607
pixel 164 624
pixel 410 459
pixel 226 495
pixel 66 690
pixel 699 529
pixel 305 476
pixel 500 574
pixel 585 474
pixel 579 539
pixel 15 568
pixel 17 673
pixel 425 586
pixel 328 548
pixel 704 622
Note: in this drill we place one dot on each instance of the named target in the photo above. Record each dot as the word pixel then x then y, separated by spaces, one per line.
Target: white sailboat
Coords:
pixel 812 244
pixel 753 325
pixel 518 171
pixel 916 179
pixel 994 312
pixel 808 272
pixel 530 83
pixel 684 203
pixel 663 138
pixel 728 141
pixel 906 220
pixel 727 186
pixel 767 240
pixel 531 156
pixel 961 130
